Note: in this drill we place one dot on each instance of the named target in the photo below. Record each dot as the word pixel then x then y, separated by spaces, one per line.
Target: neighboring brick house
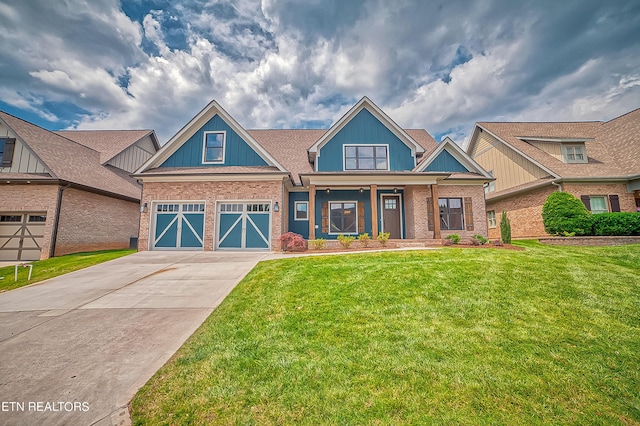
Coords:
pixel 598 162
pixel 217 186
pixel 68 191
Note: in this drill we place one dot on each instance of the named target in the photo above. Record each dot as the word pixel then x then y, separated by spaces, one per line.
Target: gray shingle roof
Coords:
pixel 108 143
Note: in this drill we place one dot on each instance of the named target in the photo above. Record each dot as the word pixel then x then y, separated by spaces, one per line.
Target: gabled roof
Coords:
pixel 70 161
pixel 206 114
pixel 365 103
pixel 621 136
pixel 109 143
pixel 457 152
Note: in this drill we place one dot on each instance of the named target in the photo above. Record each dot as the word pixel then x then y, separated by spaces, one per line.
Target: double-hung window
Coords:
pixel 301 210
pixel 213 148
pixel 574 154
pixel 451 215
pixel 366 157
pixel 491 218
pixel 598 204
pixel 343 218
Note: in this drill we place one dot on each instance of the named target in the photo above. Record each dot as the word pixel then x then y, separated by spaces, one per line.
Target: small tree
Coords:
pixel 505 228
pixel 563 213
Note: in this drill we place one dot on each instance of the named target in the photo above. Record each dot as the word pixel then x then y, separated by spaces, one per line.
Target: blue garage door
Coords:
pixel 244 226
pixel 179 226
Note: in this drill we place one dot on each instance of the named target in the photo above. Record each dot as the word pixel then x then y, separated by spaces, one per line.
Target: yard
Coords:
pixel 549 335
pixel 52 267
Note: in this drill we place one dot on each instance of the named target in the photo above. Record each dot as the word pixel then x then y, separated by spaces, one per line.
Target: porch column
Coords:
pixel 374 211
pixel 436 211
pixel 312 212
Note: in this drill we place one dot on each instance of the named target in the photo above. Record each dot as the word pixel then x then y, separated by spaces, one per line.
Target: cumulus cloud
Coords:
pixel 284 63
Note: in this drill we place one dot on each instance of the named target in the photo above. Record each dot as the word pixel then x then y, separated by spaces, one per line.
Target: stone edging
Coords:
pixel 590 241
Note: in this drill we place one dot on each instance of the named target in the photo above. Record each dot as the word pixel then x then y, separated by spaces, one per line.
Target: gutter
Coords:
pixel 54 233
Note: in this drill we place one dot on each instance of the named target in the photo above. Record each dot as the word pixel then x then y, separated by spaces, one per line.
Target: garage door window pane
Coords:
pixel 10 218
pixel 37 218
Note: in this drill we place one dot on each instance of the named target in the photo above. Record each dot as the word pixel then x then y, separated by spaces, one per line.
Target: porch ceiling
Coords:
pixel 393 179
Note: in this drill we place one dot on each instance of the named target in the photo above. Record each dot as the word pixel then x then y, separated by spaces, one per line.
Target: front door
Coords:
pixel 391 216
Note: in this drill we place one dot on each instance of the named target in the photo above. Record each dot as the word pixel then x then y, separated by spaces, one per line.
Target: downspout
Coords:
pixel 558 183
pixel 54 233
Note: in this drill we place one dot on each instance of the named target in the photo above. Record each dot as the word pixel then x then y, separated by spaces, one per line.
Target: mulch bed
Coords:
pixel 355 248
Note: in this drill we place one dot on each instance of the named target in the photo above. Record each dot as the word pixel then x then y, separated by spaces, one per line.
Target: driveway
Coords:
pixel 76 348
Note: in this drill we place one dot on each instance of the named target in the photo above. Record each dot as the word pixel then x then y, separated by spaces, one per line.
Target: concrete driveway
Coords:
pixel 75 349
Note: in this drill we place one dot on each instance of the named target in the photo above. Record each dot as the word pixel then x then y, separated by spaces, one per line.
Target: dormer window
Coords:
pixel 213 150
pixel 366 157
pixel 574 153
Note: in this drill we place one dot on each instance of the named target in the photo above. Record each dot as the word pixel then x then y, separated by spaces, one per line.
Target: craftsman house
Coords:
pixel 598 162
pixel 69 191
pixel 217 186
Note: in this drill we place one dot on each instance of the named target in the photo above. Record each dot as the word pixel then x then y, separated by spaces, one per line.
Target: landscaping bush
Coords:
pixel 291 241
pixel 383 237
pixel 454 238
pixel 364 239
pixel 562 212
pixel 318 243
pixel 346 240
pixel 479 239
pixel 505 228
pixel 623 223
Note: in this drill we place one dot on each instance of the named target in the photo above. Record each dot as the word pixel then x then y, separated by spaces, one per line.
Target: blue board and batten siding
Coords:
pixel 364 128
pixel 445 162
pixel 236 151
pixel 298 226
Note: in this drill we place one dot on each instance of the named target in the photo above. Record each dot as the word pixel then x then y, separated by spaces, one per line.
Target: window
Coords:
pixel 598 204
pixel 193 207
pixel 37 218
pixel 491 218
pixel 451 213
pixel 301 210
pixel 168 207
pixel 213 148
pixel 258 207
pixel 231 208
pixel 491 186
pixel 8 218
pixel 2 147
pixel 343 218
pixel 390 203
pixel 574 154
pixel 366 157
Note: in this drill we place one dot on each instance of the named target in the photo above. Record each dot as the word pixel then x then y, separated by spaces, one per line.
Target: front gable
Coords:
pixel 236 151
pixel 445 162
pixel 364 129
pixel 448 157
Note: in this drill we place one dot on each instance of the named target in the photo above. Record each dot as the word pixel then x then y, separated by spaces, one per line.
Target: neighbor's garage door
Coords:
pixel 178 226
pixel 21 235
pixel 244 226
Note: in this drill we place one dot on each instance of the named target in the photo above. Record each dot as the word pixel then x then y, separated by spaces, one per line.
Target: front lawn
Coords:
pixel 52 267
pixel 550 335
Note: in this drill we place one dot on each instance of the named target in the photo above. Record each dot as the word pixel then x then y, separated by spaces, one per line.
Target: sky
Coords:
pixel 437 65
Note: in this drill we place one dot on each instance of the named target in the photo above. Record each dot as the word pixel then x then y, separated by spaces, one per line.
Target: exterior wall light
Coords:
pixel 276 207
pixel 143 208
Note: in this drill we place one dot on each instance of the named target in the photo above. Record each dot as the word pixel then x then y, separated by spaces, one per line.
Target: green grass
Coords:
pixel 550 335
pixel 49 268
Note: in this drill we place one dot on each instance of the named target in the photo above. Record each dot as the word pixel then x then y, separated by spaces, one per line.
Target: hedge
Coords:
pixel 609 224
pixel 563 213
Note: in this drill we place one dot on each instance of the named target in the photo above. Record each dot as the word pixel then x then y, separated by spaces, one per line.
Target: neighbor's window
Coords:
pixel 491 218
pixel 574 154
pixel 343 218
pixel 451 213
pixel 213 147
pixel 598 204
pixel 366 157
pixel 301 210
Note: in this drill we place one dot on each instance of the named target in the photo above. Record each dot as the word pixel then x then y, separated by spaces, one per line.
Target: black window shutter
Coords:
pixel 587 201
pixel 7 158
pixel 614 201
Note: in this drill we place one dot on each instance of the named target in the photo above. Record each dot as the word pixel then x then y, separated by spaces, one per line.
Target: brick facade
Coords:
pixel 525 210
pixel 90 222
pixel 476 192
pixel 210 192
pixel 32 198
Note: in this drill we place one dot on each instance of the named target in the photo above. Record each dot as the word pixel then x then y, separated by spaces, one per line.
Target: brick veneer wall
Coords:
pixel 90 222
pixel 210 192
pixel 476 192
pixel 32 198
pixel 415 214
pixel 590 241
pixel 627 199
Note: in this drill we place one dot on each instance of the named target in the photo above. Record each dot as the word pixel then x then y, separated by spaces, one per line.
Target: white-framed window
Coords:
pixel 366 157
pixel 301 210
pixel 491 186
pixel 491 218
pixel 598 204
pixel 343 217
pixel 213 147
pixel 574 153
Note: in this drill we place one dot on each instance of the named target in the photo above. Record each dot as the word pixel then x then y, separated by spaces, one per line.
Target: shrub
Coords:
pixel 383 237
pixel 623 223
pixel 505 228
pixel 497 243
pixel 480 239
pixel 562 212
pixel 291 241
pixel 364 239
pixel 318 243
pixel 346 240
pixel 454 238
